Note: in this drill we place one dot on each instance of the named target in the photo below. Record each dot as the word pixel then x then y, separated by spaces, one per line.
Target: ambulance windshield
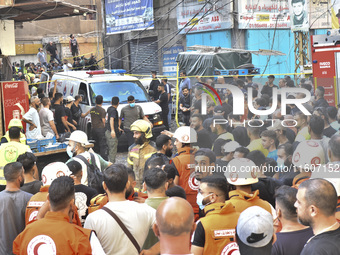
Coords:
pixel 121 89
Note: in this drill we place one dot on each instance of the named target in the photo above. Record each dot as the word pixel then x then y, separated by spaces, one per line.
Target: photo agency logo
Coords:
pixel 239 106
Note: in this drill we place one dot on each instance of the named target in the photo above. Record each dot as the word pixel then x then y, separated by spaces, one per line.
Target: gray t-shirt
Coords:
pixel 131 114
pixel 12 217
pixel 46 115
pixel 41 57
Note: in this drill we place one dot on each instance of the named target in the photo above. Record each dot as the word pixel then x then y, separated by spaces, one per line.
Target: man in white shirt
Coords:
pixel 137 218
pixel 33 129
pixel 47 119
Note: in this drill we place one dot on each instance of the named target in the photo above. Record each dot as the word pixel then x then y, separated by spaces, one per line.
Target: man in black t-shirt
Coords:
pixel 83 193
pixel 293 236
pixel 112 132
pixel 268 87
pixel 203 137
pixel 53 52
pixel 98 115
pixel 154 85
pixel 184 105
pixel 163 103
pixel 60 115
pixel 69 117
pixel 316 206
pixel 76 110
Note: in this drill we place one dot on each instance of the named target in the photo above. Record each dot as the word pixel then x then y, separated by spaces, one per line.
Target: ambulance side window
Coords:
pixel 83 93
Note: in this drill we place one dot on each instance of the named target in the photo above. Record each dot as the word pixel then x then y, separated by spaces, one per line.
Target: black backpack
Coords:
pixel 94 176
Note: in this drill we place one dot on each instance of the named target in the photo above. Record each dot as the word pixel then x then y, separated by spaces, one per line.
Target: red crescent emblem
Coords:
pixel 315 161
pixel 60 173
pixel 297 157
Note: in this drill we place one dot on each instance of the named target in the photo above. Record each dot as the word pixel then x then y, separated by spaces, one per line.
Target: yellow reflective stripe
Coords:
pixel 134 154
pixel 148 155
pixel 129 161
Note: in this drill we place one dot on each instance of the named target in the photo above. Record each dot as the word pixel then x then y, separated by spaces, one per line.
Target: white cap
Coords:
pixel 79 137
pixel 308 155
pixel 53 171
pixel 186 135
pixel 69 65
pixel 70 99
pixel 241 171
pixel 255 227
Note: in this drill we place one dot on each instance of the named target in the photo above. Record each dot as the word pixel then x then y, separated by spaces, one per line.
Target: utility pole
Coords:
pixel 301 50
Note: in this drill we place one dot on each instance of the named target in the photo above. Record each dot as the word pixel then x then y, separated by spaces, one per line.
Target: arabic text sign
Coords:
pixel 319 15
pixel 209 17
pixel 169 60
pixel 264 14
pixel 127 15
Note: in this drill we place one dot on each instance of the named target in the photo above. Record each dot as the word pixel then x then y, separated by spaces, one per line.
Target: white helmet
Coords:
pixel 53 171
pixel 186 135
pixel 241 171
pixel 308 155
pixel 230 146
pixel 79 137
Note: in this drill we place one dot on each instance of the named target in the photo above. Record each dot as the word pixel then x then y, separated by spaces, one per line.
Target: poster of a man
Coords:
pixel 299 15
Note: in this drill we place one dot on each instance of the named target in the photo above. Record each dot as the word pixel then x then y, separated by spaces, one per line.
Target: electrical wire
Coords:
pixel 167 35
pixel 142 31
pixel 322 14
pixel 56 5
pixel 268 59
pixel 188 23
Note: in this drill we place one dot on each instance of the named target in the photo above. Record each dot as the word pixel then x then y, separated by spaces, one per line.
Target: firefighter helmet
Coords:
pixel 142 126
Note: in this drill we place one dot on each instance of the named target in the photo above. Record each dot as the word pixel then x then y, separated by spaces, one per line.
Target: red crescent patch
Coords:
pixel 297 157
pixel 315 161
pixel 60 173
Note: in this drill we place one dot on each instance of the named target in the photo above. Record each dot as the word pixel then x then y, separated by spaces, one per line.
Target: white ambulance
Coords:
pixel 108 83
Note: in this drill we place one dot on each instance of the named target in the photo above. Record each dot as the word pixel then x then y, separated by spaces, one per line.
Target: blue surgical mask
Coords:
pixel 69 151
pixel 199 201
pixel 132 105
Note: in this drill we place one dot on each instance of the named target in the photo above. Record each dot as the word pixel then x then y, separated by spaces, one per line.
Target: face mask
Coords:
pixel 280 163
pixel 69 151
pixel 132 105
pixel 199 201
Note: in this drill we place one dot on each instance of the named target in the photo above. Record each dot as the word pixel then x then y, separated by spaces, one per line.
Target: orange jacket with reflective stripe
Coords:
pixel 242 200
pixel 56 234
pixel 219 226
pixel 37 200
pixel 185 166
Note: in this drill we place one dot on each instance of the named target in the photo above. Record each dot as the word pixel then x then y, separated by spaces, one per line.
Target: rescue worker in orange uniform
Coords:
pixel 49 173
pixel 54 234
pixel 184 163
pixel 215 233
pixel 245 175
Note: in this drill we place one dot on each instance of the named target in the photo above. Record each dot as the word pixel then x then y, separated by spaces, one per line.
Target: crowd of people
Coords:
pixel 31 72
pixel 219 184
